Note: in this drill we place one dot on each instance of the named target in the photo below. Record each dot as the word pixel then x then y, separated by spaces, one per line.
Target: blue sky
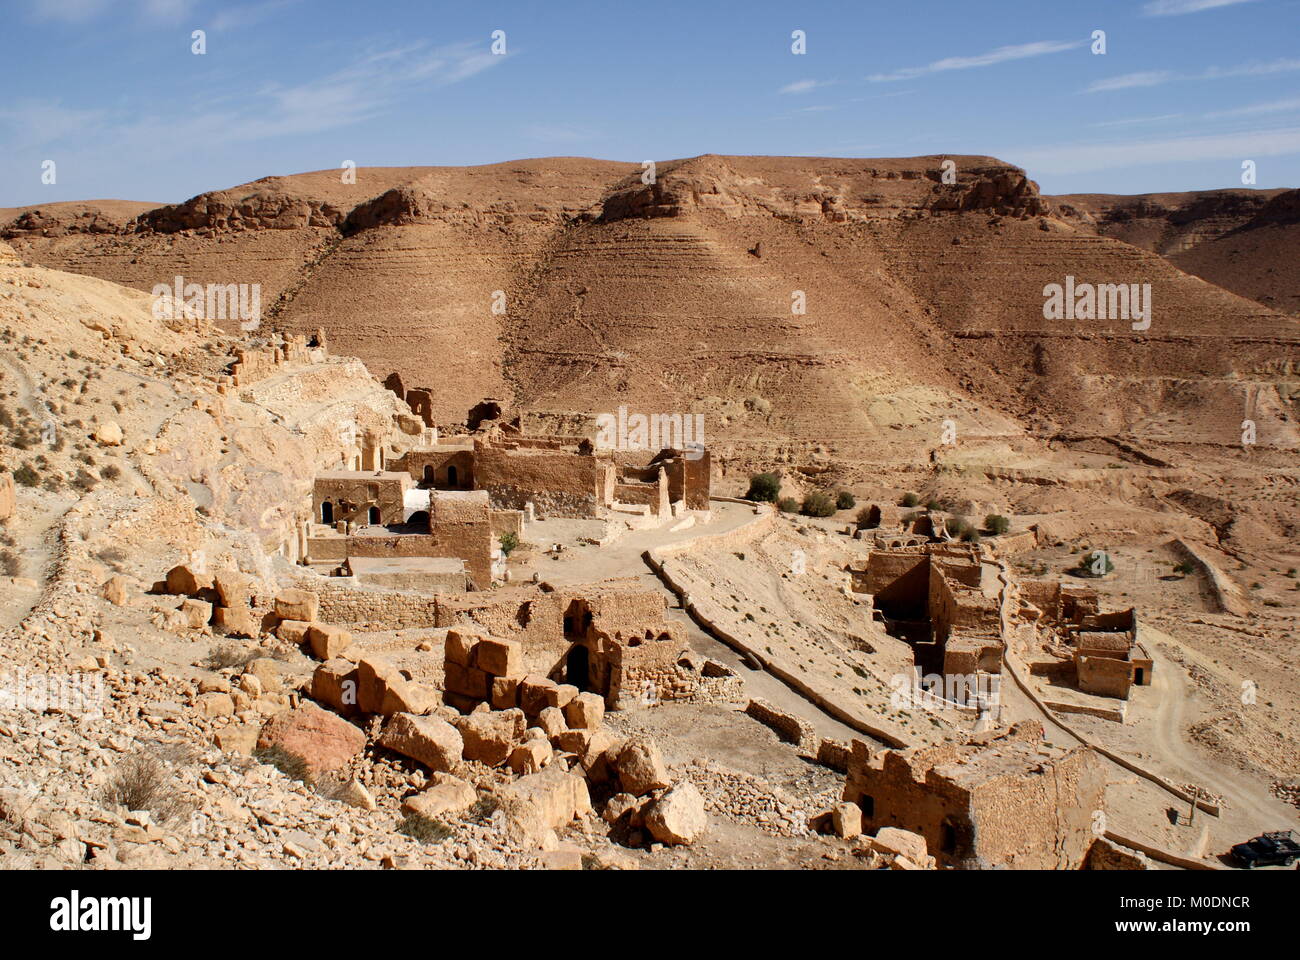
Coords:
pixel 111 92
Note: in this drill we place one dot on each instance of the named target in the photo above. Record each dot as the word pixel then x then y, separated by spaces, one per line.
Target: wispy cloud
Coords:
pixel 1176 8
pixel 1150 78
pixel 804 86
pixel 1129 121
pixel 247 15
pixel 81 11
pixel 1000 55
pixel 367 88
pixel 1256 109
pixel 1252 69
pixel 1091 157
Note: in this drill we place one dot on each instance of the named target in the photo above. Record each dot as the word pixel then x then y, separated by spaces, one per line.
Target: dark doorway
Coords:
pixel 577 667
pixel 451 476
pixel 327 512
pixel 1137 676
pixel 374 516
pixel 429 478
pixel 868 805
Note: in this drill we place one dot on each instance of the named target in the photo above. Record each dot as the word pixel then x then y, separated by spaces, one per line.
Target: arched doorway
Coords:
pixel 429 478
pixel 577 667
pixel 374 516
pixel 451 476
pixel 327 513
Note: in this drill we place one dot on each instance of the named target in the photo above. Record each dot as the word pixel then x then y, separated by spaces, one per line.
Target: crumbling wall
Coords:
pixel 559 483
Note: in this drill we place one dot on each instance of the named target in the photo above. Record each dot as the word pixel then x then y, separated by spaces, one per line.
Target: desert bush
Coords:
pixel 909 500
pixel 509 541
pixel 225 655
pixel 996 523
pixel 933 505
pixel 424 829
pixel 1096 563
pixel 143 782
pixel 110 472
pixel 26 476
pixel 788 505
pixel 1185 567
pixel 763 487
pixel 864 516
pixel 9 563
pixel 845 500
pixel 818 504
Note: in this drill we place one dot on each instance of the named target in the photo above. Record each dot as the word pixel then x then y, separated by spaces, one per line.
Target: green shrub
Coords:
pixel 1096 563
pixel 26 476
pixel 864 516
pixel 764 487
pixel 509 541
pixel 788 505
pixel 933 505
pixel 818 504
pixel 1185 567
pixel 845 501
pixel 996 523
pixel 909 500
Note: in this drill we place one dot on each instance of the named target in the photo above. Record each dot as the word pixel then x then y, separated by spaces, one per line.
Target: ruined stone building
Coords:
pixel 1072 641
pixel 1002 799
pixel 610 638
pixel 943 600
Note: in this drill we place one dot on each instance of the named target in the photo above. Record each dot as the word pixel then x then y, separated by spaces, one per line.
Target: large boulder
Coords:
pixel 322 739
pixel 335 684
pixel 678 815
pixel 491 735
pixel 447 796
pixel 184 581
pixel 295 604
pixel 542 802
pixel 327 641
pixel 900 843
pixel 429 740
pixel 585 711
pixel 641 767
pixel 374 675
pixel 501 658
pixel 234 622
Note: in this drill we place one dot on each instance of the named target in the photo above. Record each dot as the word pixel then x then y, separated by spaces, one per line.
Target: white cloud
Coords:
pixel 1252 69
pixel 1272 106
pixel 247 15
pixel 801 86
pixel 1150 78
pixel 1176 8
pixel 1000 55
pixel 80 11
pixel 1128 121
pixel 1091 157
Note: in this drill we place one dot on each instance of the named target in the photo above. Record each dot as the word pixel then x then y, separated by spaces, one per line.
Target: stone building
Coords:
pixel 1003 799
pixel 610 638
pixel 361 497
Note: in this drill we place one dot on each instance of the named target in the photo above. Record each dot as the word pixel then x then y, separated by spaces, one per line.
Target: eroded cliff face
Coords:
pixel 813 310
pixel 1245 241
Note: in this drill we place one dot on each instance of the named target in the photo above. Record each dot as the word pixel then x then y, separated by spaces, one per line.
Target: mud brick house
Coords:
pixel 1003 799
pixel 610 638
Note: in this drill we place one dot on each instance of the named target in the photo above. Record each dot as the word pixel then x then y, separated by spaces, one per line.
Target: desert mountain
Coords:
pixel 1246 241
pixel 573 285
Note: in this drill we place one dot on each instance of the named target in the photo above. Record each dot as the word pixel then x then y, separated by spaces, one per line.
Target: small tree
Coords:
pixel 1096 563
pixel 818 504
pixel 996 523
pixel 764 487
pixel 509 541
pixel 865 517
pixel 1186 567
pixel 933 505
pixel 788 505
pixel 910 500
pixel 845 501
